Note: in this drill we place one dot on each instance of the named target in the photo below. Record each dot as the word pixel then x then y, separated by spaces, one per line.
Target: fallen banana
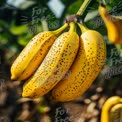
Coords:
pixel 33 54
pixel 90 59
pixel 55 65
pixel 113 24
pixel 107 106
pixel 115 112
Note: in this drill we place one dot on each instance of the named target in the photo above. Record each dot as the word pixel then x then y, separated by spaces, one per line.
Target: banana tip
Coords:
pixel 24 95
pixel 12 77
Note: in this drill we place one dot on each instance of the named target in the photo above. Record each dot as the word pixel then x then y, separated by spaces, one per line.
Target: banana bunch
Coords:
pixel 85 68
pixel 112 109
pixel 113 24
pixel 54 66
pixel 47 59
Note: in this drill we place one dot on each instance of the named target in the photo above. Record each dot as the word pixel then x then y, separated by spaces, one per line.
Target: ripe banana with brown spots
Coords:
pixel 33 54
pixel 88 63
pixel 107 106
pixel 113 24
pixel 54 66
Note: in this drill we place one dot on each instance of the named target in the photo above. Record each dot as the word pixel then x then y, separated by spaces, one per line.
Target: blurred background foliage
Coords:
pixel 20 20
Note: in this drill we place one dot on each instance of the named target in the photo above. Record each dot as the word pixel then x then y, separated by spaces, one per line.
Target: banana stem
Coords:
pixel 83 7
pixel 58 31
pixel 82 27
pixel 72 27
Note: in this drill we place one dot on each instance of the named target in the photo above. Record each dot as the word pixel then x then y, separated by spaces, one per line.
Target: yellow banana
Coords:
pixel 55 65
pixel 107 106
pixel 85 68
pixel 33 54
pixel 115 112
pixel 113 24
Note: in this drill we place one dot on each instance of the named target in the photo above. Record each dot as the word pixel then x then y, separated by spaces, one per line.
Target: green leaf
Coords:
pixel 24 39
pixel 17 30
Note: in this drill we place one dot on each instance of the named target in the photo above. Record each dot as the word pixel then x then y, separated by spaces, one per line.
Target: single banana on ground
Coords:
pixel 113 24
pixel 88 63
pixel 55 65
pixel 109 103
pixel 33 54
pixel 115 113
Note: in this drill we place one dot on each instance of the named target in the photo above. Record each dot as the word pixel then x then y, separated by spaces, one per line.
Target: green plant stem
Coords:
pixel 83 7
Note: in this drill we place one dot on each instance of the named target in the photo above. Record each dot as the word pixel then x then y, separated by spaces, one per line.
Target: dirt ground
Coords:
pixel 87 108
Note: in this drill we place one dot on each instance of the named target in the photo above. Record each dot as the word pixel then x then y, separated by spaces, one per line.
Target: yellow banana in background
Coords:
pixel 116 113
pixel 54 66
pixel 113 25
pixel 33 54
pixel 109 103
pixel 87 65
